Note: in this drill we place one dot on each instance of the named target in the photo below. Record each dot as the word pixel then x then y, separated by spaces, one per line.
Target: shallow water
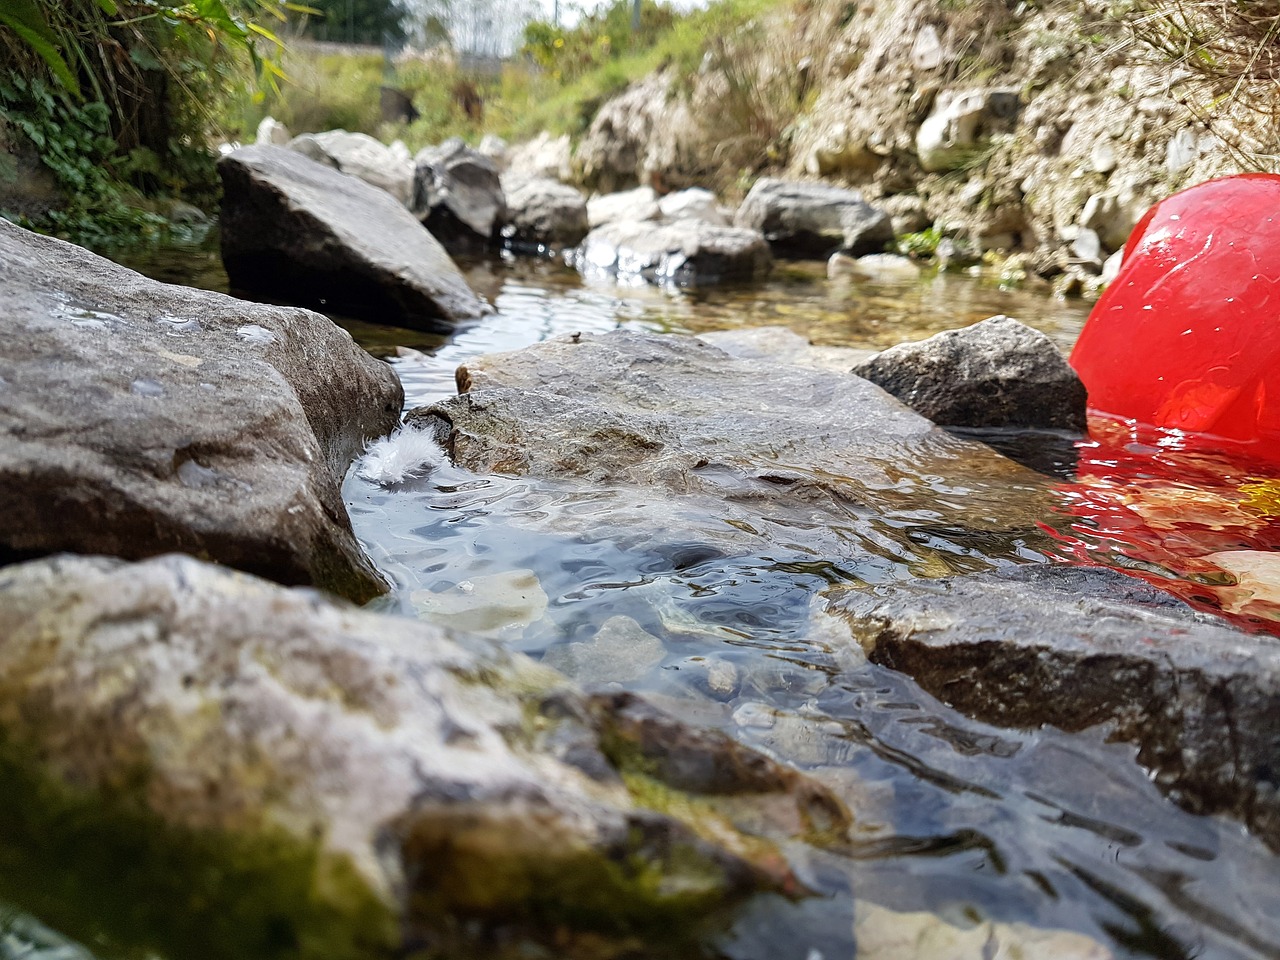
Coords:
pixel 717 616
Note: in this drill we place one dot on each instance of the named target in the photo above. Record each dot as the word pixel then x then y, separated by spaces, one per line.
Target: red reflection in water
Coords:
pixel 1170 508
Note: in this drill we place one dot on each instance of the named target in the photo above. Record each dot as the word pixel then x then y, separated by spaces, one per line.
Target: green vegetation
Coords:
pixel 115 97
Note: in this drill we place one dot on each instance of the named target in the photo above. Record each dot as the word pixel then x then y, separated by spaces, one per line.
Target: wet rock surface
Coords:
pixel 675 413
pixel 299 231
pixel 813 219
pixel 542 211
pixel 315 780
pixel 457 194
pixel 139 418
pixel 689 253
pixel 1076 648
pixel 995 373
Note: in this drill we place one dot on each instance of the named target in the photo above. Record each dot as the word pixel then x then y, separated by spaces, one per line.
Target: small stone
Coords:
pixel 995 373
pixel 620 652
pixel 498 604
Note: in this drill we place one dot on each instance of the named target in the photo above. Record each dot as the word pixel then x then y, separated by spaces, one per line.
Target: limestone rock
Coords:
pixel 543 212
pixel 543 156
pixel 289 772
pixel 457 194
pixel 359 155
pixel 689 253
pixel 1075 648
pixel 273 133
pixel 885 267
pixel 296 230
pixel 631 205
pixel 692 204
pixel 995 373
pixel 960 121
pixel 138 418
pixel 813 219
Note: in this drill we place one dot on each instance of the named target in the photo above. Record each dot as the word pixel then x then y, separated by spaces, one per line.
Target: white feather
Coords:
pixel 406 454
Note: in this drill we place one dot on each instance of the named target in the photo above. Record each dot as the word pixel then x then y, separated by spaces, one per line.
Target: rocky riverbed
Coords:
pixel 735 646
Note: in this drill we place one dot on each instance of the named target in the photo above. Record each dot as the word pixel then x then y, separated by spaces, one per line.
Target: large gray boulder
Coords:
pixel 542 212
pixel 675 414
pixel 995 373
pixel 457 194
pixel 297 230
pixel 626 205
pixel 689 253
pixel 813 219
pixel 197 762
pixel 1076 648
pixel 361 156
pixel 138 418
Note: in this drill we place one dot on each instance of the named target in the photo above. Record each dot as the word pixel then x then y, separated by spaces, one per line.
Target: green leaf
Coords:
pixel 42 42
pixel 108 7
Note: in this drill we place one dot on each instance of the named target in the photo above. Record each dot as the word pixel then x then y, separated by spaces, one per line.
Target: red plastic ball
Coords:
pixel 1187 337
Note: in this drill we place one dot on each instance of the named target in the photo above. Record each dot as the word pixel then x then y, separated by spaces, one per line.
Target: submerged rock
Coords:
pixel 297 230
pixel 457 194
pixel 138 418
pixel 359 155
pixel 1076 648
pixel 813 219
pixel 995 373
pixel 675 414
pixel 689 253
pixel 543 212
pixel 298 779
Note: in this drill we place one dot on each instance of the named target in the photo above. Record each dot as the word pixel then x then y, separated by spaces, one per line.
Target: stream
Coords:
pixel 1045 834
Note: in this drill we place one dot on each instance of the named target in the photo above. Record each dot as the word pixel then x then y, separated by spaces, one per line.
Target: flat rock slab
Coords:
pixel 995 373
pixel 185 750
pixel 674 413
pixel 1075 648
pixel 138 418
pixel 802 219
pixel 688 253
pixel 297 230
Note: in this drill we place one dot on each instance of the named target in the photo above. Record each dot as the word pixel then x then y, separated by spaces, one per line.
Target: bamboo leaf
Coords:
pixel 24 20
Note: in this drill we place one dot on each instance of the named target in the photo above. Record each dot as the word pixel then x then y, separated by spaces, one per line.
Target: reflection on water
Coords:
pixel 717 614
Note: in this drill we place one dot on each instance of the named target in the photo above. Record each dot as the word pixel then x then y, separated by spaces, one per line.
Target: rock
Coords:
pixel 281 770
pixel 692 204
pixel 689 253
pixel 457 194
pixel 1112 220
pixel 884 934
pixel 273 133
pixel 1182 151
pixel 619 652
pixel 949 137
pixel 495 605
pixel 1087 249
pixel 783 345
pixel 874 266
pixel 631 205
pixel 992 374
pixel 293 229
pixel 813 219
pixel 543 156
pixel 906 212
pixel 1111 267
pixel 1102 158
pixel 361 156
pixel 1075 648
pixel 495 148
pixel 838 152
pixel 544 212
pixel 668 413
pixel 139 418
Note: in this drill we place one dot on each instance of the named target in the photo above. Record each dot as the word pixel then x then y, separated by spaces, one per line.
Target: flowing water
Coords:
pixel 1047 835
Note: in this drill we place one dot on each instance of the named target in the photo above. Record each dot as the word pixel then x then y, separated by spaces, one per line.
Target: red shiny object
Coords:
pixel 1187 337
